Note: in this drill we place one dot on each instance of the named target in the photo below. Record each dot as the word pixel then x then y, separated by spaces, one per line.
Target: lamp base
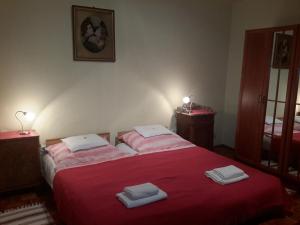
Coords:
pixel 24 132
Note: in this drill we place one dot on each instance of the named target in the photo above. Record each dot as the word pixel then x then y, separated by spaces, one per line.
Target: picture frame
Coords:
pixel 282 51
pixel 93 34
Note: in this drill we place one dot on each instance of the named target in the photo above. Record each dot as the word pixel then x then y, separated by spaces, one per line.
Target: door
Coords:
pixel 291 159
pixel 256 68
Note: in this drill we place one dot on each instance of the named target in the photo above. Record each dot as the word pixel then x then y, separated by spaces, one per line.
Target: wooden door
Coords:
pixel 256 67
pixel 291 156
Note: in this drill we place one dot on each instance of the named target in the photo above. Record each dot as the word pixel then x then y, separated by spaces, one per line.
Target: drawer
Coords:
pixel 20 163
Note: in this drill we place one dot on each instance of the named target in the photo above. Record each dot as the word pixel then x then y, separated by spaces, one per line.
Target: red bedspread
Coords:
pixel 86 195
pixel 294 150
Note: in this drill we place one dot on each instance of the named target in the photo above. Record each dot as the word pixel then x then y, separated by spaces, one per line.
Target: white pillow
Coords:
pixel 152 130
pixel 83 142
pixel 269 120
pixel 297 119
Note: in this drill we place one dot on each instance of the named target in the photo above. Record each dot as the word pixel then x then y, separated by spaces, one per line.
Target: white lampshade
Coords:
pixel 29 116
pixel 186 99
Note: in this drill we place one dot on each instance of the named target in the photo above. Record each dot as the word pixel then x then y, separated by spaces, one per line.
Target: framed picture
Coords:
pixel 282 51
pixel 93 34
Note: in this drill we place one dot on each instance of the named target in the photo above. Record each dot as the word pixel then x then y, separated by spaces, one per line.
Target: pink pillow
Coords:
pixel 65 159
pixel 155 143
pixel 58 151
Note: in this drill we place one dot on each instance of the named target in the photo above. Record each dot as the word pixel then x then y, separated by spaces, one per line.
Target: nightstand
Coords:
pixel 19 161
pixel 197 127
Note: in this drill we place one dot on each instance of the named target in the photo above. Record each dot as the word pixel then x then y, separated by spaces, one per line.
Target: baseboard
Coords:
pixel 224 146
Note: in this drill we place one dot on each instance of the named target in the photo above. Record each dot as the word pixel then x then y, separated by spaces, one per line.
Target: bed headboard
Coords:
pixel 58 140
pixel 118 139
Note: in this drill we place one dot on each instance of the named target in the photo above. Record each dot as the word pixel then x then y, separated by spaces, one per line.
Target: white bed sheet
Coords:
pixel 126 148
pixel 48 164
pixel 48 168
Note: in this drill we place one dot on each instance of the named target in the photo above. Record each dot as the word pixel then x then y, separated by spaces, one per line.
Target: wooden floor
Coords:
pixel 44 194
pixel 292 216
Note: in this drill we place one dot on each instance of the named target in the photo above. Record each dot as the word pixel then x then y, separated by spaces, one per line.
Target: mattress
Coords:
pixel 48 168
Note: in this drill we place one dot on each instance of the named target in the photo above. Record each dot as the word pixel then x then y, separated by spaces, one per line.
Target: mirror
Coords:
pixel 293 163
pixel 275 107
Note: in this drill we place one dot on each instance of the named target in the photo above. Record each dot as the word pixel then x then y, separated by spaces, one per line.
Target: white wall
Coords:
pixel 250 14
pixel 164 51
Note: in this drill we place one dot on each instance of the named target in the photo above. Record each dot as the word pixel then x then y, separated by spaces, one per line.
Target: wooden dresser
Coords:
pixel 19 161
pixel 197 127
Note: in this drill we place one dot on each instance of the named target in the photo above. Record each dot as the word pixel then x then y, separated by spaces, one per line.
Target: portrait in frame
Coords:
pixel 282 51
pixel 93 34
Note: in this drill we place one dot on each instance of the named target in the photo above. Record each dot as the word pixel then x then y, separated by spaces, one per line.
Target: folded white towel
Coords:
pixel 143 201
pixel 229 172
pixel 141 191
pixel 215 177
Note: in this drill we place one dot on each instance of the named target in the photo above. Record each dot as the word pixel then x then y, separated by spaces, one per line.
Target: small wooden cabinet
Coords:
pixel 197 127
pixel 19 161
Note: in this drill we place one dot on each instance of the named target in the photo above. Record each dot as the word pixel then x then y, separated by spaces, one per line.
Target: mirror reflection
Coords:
pixel 275 108
pixel 293 152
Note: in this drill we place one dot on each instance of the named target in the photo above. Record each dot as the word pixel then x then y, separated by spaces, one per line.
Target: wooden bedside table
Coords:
pixel 19 161
pixel 197 127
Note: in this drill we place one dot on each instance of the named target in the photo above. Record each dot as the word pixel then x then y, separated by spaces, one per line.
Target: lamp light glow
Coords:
pixel 187 104
pixel 29 116
pixel 186 99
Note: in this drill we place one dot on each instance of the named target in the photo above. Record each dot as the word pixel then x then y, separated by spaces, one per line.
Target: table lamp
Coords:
pixel 29 116
pixel 186 100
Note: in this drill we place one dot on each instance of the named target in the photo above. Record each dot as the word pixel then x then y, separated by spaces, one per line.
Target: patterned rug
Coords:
pixel 35 214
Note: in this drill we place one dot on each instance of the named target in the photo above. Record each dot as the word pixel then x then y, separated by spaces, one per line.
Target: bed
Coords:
pixel 86 195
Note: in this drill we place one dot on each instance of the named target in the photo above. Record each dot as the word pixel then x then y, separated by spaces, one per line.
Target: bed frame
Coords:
pixel 58 140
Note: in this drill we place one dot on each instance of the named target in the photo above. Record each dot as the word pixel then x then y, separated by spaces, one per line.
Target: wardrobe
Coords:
pixel 268 124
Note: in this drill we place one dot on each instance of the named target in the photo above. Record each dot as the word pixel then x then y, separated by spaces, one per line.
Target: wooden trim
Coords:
pixel 274 29
pixel 58 140
pixel 278 101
